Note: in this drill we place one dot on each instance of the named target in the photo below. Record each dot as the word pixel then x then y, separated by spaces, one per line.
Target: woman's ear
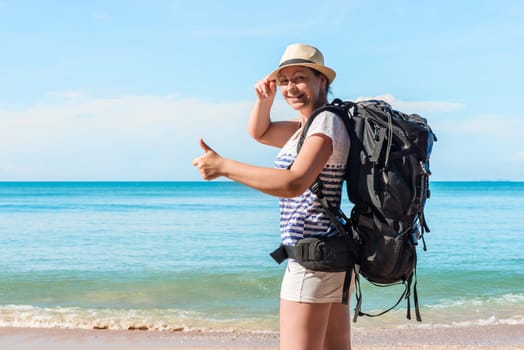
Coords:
pixel 325 82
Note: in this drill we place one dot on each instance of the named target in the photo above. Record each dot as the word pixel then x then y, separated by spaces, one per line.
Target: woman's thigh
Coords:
pixel 303 325
pixel 314 326
pixel 338 331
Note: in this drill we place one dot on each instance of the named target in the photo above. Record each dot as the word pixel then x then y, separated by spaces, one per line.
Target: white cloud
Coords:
pixel 122 137
pixel 420 107
pixel 78 137
pixel 477 147
pixel 492 128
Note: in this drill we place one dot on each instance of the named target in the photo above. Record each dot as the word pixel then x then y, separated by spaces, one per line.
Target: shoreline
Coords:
pixel 492 337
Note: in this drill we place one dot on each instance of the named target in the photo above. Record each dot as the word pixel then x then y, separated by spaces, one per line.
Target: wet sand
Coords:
pixel 497 337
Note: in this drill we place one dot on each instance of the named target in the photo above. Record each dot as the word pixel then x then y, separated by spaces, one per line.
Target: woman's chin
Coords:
pixel 296 105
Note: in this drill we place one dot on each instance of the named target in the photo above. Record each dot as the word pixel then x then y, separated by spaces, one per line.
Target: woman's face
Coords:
pixel 302 88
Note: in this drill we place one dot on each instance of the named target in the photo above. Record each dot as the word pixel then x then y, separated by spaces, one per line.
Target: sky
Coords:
pixel 107 90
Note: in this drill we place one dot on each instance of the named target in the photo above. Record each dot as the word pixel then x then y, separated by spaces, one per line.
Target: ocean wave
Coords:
pixel 500 300
pixel 27 316
pixel 176 320
pixel 507 309
pixel 489 321
pixel 450 319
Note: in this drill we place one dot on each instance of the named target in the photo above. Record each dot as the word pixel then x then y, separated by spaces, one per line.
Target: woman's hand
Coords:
pixel 209 164
pixel 266 90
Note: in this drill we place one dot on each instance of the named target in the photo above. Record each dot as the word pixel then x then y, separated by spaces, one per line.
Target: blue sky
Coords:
pixel 123 90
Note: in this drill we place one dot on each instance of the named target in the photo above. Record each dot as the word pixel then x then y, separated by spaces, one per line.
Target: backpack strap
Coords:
pixel 336 215
pixel 415 299
pixel 341 222
pixel 337 107
pixel 405 294
pixel 358 294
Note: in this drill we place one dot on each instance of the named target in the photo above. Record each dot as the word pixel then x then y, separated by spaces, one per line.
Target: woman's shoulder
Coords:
pixel 326 121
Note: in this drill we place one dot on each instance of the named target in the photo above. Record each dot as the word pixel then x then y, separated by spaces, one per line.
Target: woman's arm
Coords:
pixel 277 182
pixel 260 126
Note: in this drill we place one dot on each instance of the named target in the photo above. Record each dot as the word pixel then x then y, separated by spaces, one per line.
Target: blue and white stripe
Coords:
pixel 304 216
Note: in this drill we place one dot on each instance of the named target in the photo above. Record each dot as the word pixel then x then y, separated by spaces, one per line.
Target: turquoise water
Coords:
pixel 195 255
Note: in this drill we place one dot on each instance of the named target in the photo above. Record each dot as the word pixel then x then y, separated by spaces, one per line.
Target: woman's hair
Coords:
pixel 328 86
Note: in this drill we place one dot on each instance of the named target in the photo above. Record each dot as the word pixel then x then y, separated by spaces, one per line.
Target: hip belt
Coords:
pixel 333 254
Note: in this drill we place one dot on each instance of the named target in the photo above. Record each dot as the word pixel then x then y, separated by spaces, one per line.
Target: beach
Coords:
pixel 480 337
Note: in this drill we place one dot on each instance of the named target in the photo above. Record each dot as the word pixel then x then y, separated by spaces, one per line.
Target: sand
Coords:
pixel 497 337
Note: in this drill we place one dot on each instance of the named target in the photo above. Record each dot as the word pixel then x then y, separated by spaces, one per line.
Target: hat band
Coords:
pixel 295 61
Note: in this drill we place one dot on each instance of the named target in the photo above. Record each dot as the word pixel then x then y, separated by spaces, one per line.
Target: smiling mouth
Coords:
pixel 295 98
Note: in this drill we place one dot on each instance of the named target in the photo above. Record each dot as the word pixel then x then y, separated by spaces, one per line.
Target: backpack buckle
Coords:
pixel 316 188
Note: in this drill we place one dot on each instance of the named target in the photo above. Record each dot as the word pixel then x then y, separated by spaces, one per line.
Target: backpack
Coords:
pixel 387 180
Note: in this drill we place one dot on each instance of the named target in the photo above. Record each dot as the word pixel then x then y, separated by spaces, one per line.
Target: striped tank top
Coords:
pixel 304 216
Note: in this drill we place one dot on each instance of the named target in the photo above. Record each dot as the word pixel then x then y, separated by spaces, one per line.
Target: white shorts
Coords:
pixel 302 285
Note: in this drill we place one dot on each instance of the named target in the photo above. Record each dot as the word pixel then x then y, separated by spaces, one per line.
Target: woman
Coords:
pixel 311 313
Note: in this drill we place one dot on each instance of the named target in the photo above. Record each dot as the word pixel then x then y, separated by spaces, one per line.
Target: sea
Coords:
pixel 194 256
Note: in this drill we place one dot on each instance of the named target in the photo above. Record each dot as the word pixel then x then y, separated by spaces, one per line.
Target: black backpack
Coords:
pixel 387 180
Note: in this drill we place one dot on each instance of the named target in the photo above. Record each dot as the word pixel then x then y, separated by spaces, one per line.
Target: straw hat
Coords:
pixel 303 55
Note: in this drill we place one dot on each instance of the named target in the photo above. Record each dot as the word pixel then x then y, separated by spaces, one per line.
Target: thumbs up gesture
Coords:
pixel 209 163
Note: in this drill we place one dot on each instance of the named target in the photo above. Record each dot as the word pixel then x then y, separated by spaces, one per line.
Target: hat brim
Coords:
pixel 328 72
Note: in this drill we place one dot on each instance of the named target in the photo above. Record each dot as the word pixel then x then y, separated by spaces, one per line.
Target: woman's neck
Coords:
pixel 306 112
